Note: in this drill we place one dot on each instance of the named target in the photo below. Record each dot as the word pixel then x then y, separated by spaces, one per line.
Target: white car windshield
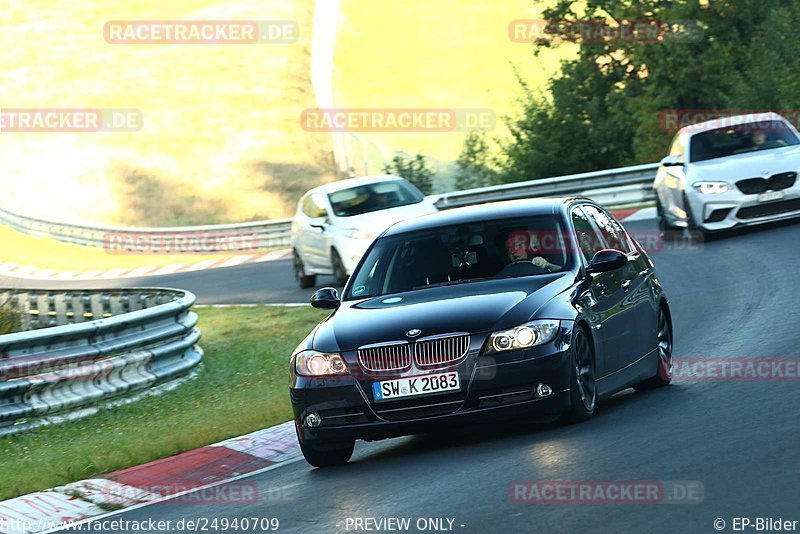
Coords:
pixel 373 197
pixel 740 139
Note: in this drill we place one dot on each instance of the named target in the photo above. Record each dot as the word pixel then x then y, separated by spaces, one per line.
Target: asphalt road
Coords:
pixel 735 297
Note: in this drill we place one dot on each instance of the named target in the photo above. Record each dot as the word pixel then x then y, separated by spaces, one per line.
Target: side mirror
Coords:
pixel 672 160
pixel 607 260
pixel 326 298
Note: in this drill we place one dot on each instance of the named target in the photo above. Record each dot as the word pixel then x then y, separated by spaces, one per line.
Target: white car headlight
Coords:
pixel 711 188
pixel 523 336
pixel 314 363
pixel 355 233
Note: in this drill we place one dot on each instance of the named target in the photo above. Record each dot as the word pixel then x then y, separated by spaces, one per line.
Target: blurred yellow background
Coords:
pixel 222 139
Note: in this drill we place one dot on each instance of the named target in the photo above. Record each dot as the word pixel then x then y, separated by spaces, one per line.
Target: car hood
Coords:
pixel 471 307
pixel 750 165
pixel 377 221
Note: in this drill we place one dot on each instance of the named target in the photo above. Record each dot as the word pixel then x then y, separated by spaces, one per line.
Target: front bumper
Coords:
pixel 733 208
pixel 491 389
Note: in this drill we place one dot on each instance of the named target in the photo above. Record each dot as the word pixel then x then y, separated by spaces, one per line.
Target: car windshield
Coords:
pixel 373 197
pixel 741 139
pixel 461 254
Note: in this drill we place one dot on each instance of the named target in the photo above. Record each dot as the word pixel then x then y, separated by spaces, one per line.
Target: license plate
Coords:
pixel 415 385
pixel 770 195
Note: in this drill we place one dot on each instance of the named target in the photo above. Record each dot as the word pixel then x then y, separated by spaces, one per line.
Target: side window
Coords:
pixel 316 207
pixel 588 239
pixel 676 148
pixel 305 206
pixel 613 233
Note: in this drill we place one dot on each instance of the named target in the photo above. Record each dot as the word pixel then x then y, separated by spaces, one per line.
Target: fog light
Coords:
pixel 543 390
pixel 312 420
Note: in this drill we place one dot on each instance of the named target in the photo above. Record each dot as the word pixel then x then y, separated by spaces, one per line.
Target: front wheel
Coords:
pixel 305 281
pixel 583 388
pixel 661 219
pixel 339 272
pixel 329 456
pixel 663 374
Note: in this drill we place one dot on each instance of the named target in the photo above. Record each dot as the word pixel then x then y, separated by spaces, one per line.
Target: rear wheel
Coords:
pixel 583 388
pixel 305 281
pixel 663 374
pixel 329 456
pixel 339 272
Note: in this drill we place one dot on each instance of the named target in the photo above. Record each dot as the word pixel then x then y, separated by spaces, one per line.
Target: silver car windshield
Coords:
pixel 740 139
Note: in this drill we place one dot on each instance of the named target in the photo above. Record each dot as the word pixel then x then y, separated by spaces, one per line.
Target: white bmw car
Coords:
pixel 335 223
pixel 730 172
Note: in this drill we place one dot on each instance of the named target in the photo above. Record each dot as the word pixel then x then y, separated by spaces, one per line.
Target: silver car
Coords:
pixel 730 172
pixel 335 223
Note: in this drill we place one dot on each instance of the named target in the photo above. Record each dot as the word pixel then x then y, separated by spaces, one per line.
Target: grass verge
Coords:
pixel 242 387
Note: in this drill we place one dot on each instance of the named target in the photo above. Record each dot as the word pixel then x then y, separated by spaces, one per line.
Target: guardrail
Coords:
pixel 86 346
pixel 612 188
pixel 265 234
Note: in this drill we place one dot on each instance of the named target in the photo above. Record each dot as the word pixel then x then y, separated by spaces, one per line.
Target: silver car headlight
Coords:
pixel 315 363
pixel 523 336
pixel 711 188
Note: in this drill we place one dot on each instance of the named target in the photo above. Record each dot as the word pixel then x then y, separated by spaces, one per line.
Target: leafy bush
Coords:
pixel 474 166
pixel 415 170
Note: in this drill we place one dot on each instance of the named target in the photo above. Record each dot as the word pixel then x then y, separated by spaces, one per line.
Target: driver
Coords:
pixel 519 244
pixel 759 137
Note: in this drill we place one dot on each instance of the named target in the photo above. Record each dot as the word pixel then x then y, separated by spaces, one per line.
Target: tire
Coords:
pixel 327 457
pixel 339 272
pixel 583 388
pixel 305 281
pixel 661 220
pixel 663 375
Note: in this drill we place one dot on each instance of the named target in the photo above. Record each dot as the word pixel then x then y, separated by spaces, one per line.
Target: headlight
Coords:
pixel 313 363
pixel 523 336
pixel 355 233
pixel 711 188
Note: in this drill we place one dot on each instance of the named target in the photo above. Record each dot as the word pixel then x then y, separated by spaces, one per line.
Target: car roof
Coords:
pixel 507 209
pixel 722 122
pixel 340 185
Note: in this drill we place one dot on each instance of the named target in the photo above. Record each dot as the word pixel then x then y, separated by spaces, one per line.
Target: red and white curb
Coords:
pixel 30 272
pixel 191 472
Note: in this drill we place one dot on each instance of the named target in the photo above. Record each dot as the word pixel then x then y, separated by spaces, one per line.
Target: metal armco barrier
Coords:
pixel 83 347
pixel 265 234
pixel 612 188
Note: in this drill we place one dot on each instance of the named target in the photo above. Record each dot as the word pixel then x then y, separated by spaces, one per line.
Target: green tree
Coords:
pixel 414 169
pixel 605 108
pixel 474 165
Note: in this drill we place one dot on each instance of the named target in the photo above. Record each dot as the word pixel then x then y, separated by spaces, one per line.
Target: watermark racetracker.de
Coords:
pixel 70 120
pixel 605 492
pixel 397 119
pixel 149 243
pixel 735 369
pixel 213 32
pixel 603 31
pixel 672 120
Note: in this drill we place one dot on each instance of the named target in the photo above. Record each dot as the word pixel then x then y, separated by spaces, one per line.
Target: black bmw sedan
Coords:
pixel 525 307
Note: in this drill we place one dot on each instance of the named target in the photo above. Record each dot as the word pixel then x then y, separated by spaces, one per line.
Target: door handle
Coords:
pixel 626 284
